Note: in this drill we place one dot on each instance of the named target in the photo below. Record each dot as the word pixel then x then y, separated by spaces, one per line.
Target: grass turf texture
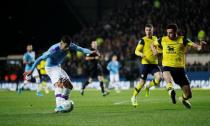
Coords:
pixel 92 109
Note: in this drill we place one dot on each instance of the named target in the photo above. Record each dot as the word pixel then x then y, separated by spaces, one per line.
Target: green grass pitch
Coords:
pixel 92 109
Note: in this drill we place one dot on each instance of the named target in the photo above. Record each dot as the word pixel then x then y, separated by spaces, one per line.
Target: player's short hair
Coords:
pixel 149 25
pixel 172 26
pixel 66 39
pixel 29 44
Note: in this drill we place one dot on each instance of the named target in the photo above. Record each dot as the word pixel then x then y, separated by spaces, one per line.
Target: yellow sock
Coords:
pixel 184 96
pixel 39 88
pixel 137 89
pixel 169 87
pixel 154 82
pixel 43 83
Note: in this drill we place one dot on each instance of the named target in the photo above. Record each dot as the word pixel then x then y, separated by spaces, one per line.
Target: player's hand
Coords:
pixel 28 73
pixel 96 53
pixel 154 52
pixel 200 45
pixel 142 55
pixel 97 57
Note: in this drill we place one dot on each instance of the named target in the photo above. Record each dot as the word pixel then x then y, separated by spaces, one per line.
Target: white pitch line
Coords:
pixel 121 102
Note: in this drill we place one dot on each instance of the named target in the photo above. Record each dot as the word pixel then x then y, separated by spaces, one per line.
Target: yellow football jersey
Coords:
pixel 144 46
pixel 174 51
pixel 41 67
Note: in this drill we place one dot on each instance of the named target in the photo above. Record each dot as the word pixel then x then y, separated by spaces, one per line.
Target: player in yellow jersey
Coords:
pixel 43 76
pixel 174 52
pixel 149 63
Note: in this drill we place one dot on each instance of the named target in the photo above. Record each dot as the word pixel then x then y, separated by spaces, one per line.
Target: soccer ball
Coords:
pixel 68 105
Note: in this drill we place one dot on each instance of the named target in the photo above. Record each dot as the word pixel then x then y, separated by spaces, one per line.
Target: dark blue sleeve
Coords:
pixel 159 41
pixel 141 41
pixel 186 40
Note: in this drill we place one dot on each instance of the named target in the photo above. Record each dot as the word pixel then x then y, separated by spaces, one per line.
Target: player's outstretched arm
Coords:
pixel 197 46
pixel 37 61
pixel 78 48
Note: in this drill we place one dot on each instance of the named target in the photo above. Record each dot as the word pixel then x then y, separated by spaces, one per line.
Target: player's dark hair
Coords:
pixel 172 26
pixel 66 39
pixel 149 25
pixel 29 44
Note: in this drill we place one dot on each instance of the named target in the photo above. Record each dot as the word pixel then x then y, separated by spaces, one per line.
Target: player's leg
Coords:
pixel 169 86
pixel 44 84
pixel 21 86
pixel 45 87
pixel 187 94
pixel 67 88
pixel 39 86
pixel 136 91
pixel 58 95
pixel 140 84
pixel 99 74
pixel 157 78
pixel 54 75
pixel 111 81
pixel 182 79
pixel 91 72
pixel 85 85
pixel 154 82
pixel 100 79
pixel 36 75
pixel 116 83
pixel 67 85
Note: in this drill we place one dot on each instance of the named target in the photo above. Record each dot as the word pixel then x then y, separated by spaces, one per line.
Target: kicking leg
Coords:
pixel 67 87
pixel 58 95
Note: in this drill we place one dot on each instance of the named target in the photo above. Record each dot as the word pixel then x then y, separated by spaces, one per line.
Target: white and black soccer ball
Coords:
pixel 68 105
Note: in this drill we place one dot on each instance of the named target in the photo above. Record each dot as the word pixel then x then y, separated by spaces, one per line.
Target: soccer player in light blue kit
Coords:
pixel 113 67
pixel 28 60
pixel 54 57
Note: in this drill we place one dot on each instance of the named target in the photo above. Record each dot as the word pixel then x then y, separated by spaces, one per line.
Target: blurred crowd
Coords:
pixel 120 29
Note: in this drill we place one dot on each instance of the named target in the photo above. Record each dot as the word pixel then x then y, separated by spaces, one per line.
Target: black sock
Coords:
pixel 102 86
pixel 84 85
